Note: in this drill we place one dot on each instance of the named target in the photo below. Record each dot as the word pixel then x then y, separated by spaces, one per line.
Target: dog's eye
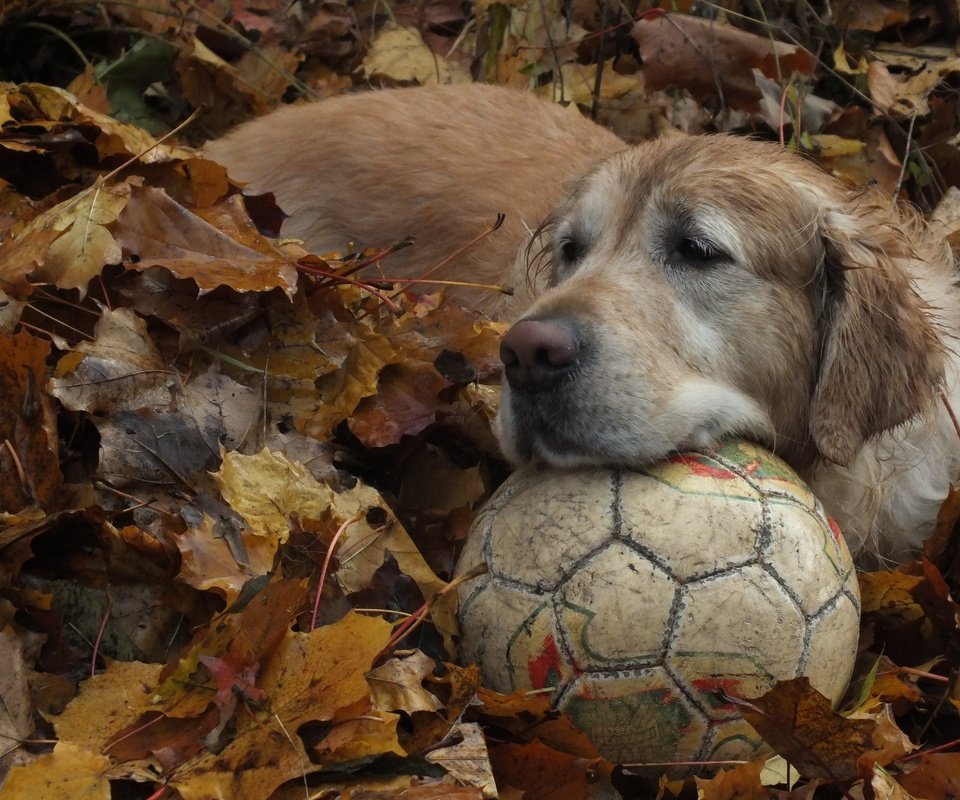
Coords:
pixel 698 252
pixel 569 250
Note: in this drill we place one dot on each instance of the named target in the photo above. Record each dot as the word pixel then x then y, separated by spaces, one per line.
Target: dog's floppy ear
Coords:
pixel 881 358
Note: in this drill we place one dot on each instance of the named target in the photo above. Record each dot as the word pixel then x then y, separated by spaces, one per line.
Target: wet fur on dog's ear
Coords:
pixel 882 356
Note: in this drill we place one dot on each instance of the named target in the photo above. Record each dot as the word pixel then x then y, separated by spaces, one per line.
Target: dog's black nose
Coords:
pixel 536 354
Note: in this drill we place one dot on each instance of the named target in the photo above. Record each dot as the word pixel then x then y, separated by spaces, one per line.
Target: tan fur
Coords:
pixel 368 170
pixel 825 331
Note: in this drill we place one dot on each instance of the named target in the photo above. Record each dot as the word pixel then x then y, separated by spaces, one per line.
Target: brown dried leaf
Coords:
pixel 152 447
pixel 798 722
pixel 230 92
pixel 209 563
pixel 466 759
pixel 936 776
pixel 739 783
pixel 155 230
pixel 540 771
pixel 888 742
pixel 223 410
pixel 528 716
pixel 909 96
pixel 29 463
pixel 397 684
pixel 41 106
pixel 16 719
pixel 268 490
pixel 704 56
pixel 199 321
pixel 407 401
pixel 358 731
pixel 20 254
pixel 120 370
pixel 870 15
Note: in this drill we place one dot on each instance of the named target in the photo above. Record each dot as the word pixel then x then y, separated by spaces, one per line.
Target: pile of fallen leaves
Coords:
pixel 234 480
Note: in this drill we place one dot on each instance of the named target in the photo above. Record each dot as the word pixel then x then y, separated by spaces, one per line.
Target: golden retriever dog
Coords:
pixel 690 288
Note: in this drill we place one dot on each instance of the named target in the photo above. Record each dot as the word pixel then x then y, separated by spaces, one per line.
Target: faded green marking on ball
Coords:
pixel 652 721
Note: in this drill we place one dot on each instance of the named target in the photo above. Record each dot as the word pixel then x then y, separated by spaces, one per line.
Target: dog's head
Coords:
pixel 708 287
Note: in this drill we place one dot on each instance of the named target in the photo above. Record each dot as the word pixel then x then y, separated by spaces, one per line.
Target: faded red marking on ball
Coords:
pixel 729 686
pixel 834 528
pixel 544 669
pixel 704 470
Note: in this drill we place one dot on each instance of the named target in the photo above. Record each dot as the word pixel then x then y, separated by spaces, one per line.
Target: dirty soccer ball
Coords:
pixel 637 595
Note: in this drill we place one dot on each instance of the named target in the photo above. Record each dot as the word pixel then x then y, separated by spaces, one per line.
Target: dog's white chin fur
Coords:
pixel 696 416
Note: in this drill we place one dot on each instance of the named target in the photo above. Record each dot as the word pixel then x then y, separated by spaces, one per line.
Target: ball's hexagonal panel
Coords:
pixel 767 473
pixel 733 740
pixel 677 506
pixel 613 611
pixel 832 648
pixel 548 526
pixel 472 553
pixel 740 626
pixel 635 715
pixel 807 553
pixel 511 634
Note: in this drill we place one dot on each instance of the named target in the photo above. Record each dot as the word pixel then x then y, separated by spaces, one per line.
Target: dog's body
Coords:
pixel 368 170
pixel 694 288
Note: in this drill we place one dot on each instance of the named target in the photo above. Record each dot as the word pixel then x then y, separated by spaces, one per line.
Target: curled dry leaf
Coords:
pixel 465 759
pixel 741 782
pixel 155 230
pixel 357 731
pixel 38 105
pixel 397 684
pixel 888 742
pixel 121 369
pixel 905 97
pixel 711 59
pixel 209 563
pixel 230 92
